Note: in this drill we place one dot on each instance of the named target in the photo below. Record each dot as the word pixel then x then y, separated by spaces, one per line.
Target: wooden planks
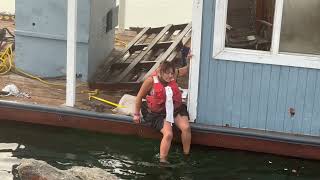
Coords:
pixel 141 55
pixel 167 52
pixel 135 40
pixel 144 54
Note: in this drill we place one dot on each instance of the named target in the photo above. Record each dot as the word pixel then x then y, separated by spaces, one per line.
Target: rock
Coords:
pixel 31 169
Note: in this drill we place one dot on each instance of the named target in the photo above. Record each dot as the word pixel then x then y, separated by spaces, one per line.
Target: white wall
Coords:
pixel 7 6
pixel 154 13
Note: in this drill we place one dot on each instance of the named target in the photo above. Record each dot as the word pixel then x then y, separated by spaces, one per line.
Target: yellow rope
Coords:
pixel 6 62
pixel 120 42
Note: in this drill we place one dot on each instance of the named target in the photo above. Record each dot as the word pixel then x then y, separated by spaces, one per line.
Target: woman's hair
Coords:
pixel 165 66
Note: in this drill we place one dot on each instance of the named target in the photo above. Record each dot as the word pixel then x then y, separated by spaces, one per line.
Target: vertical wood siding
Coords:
pixel 257 96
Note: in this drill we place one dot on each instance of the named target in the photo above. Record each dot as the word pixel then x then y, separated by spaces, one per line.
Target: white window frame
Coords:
pixel 220 52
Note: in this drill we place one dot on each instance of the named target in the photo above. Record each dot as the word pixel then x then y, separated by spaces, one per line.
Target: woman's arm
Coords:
pixel 184 70
pixel 145 88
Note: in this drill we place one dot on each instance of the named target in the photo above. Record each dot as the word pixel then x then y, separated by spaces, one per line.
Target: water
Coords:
pixel 131 157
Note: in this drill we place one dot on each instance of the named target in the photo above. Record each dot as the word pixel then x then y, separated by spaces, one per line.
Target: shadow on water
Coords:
pixel 135 158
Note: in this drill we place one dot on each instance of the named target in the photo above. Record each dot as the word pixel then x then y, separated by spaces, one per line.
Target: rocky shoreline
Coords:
pixel 31 169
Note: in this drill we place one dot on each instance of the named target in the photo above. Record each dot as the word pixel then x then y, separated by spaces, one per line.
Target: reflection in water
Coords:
pixel 135 158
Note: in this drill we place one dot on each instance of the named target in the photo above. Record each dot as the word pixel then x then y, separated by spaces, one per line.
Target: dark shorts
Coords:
pixel 155 120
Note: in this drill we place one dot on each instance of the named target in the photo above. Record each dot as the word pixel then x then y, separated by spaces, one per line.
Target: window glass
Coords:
pixel 300 32
pixel 249 24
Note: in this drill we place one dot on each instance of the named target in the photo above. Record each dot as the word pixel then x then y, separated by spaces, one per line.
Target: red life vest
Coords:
pixel 157 99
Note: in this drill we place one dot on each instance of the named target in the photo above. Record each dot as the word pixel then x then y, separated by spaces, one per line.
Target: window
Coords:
pixel 281 32
pixel 109 21
pixel 300 32
pixel 249 24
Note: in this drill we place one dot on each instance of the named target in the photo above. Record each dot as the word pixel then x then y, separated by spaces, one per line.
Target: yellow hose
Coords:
pixel 6 62
pixel 120 42
pixel 106 101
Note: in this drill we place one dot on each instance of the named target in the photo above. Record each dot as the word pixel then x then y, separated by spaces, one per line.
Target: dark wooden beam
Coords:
pixel 136 39
pixel 115 86
pixel 160 45
pixel 140 64
pixel 175 52
pixel 179 26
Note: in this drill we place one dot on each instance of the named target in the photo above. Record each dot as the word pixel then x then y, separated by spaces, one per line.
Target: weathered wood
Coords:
pixel 158 29
pixel 175 53
pixel 152 55
pixel 179 26
pixel 145 54
pixel 142 54
pixel 160 45
pixel 136 39
pixel 142 63
pixel 155 30
pixel 47 95
pixel 168 52
pixel 133 86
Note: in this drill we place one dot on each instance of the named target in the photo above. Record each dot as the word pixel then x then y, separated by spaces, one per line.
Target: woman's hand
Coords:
pixel 136 119
pixel 189 55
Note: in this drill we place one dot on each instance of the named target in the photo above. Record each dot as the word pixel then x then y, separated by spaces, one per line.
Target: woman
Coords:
pixel 156 110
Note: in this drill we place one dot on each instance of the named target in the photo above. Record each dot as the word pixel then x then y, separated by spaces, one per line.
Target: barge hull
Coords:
pixel 284 145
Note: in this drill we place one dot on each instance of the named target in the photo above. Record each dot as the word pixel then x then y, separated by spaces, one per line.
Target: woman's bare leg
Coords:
pixel 182 122
pixel 166 140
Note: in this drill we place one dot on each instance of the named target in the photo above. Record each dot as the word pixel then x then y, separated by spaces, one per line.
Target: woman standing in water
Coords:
pixel 164 107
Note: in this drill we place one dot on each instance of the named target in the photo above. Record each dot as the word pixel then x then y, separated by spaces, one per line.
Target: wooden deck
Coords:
pixel 43 94
pixel 8 24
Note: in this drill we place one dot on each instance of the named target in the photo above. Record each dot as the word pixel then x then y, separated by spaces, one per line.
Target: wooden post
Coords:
pixel 71 52
pixel 194 75
pixel 122 15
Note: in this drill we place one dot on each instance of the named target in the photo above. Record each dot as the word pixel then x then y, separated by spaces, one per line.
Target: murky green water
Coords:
pixel 135 158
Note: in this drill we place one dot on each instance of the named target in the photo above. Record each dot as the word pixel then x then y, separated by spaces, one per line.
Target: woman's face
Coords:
pixel 168 75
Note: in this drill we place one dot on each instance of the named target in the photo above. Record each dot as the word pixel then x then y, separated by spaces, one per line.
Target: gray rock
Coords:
pixel 31 169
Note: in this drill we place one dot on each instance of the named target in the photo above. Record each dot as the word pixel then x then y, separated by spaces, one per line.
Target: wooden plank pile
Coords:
pixel 143 55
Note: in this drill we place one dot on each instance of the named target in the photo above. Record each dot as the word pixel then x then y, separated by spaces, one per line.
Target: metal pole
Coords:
pixel 71 52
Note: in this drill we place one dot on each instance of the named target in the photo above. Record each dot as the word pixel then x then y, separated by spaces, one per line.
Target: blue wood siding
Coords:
pixel 256 96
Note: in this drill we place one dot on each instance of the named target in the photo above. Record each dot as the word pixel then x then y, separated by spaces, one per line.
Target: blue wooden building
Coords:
pixel 256 71
pixel 272 89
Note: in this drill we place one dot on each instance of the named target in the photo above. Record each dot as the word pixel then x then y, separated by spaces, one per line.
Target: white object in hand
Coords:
pixel 169 105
